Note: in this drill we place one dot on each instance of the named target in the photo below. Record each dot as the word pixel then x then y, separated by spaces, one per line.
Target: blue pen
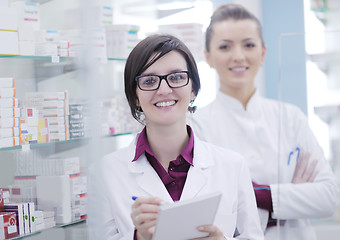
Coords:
pixel 134 198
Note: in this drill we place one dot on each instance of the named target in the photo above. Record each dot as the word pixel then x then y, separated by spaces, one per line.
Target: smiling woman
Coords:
pixel 166 162
pixel 265 131
pixel 171 97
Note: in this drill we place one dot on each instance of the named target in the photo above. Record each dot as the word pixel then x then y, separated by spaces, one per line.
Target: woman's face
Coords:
pixel 166 105
pixel 236 52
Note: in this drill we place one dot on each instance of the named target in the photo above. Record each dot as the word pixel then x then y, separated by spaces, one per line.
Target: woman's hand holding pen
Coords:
pixel 144 216
pixel 304 173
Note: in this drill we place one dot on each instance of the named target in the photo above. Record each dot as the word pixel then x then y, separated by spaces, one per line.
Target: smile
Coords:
pixel 238 69
pixel 165 104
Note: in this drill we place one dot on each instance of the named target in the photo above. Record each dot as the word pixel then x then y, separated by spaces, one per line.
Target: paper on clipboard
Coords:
pixel 179 220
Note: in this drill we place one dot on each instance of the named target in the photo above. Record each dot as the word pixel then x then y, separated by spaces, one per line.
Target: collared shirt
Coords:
pixel 174 178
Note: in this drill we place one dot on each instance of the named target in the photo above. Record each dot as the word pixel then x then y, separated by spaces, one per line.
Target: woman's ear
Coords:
pixel 263 56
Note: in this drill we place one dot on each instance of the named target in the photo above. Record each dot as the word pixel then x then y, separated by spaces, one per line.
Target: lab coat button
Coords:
pixel 171 169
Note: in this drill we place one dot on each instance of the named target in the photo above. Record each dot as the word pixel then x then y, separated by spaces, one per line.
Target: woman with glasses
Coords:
pixel 166 161
pixel 292 180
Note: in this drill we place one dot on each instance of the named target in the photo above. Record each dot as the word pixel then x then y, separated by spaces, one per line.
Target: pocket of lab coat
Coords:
pixel 111 230
pixel 226 223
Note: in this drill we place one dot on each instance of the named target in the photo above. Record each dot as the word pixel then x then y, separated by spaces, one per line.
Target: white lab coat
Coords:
pixel 266 142
pixel 215 169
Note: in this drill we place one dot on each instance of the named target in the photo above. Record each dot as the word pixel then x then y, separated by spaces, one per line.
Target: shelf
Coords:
pixel 50 57
pixel 60 145
pixel 117 59
pixel 323 14
pixel 324 60
pixel 327 113
pixel 57 226
pixel 325 57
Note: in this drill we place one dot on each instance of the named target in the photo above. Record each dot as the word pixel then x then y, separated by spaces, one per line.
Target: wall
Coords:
pixel 280 18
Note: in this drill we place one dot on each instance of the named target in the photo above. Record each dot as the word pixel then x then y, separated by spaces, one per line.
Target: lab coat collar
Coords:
pixel 197 176
pixel 149 181
pixel 233 103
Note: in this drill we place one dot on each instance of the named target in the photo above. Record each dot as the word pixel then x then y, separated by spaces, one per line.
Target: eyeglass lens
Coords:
pixel 174 80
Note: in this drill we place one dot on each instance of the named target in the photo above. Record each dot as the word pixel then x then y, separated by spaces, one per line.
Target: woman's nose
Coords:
pixel 238 54
pixel 164 87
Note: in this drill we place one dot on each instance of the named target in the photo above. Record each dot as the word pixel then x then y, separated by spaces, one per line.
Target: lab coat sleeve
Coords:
pixel 248 222
pixel 307 200
pixel 101 223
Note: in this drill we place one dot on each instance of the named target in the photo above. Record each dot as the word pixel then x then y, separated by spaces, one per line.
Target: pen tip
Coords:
pixel 134 198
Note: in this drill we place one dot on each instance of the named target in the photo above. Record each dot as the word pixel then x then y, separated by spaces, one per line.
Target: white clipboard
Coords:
pixel 179 220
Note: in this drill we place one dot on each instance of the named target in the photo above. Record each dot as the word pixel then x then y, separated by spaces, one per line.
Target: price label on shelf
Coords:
pixel 55 59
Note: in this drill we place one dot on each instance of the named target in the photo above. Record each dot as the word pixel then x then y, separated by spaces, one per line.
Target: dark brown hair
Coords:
pixel 139 60
pixel 226 12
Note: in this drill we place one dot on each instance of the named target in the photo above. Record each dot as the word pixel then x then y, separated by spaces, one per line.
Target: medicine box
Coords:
pixel 8 18
pixel 8 225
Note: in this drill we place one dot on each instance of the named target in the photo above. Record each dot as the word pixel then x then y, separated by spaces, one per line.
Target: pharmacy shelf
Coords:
pixel 46 229
pixel 327 113
pixel 50 58
pixel 323 14
pixel 325 57
pixel 324 60
pixel 61 145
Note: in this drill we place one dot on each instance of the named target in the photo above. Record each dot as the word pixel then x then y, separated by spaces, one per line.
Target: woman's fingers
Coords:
pixel 309 173
pixel 304 172
pixel 214 232
pixel 145 217
pixel 144 213
pixel 144 205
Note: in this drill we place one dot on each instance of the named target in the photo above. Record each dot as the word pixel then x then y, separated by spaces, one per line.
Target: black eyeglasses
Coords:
pixel 152 82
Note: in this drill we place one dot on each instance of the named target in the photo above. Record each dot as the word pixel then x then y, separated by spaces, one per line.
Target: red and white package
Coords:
pixel 8 225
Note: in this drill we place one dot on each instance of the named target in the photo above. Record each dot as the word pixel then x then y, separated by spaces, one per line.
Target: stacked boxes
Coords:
pixel 8 31
pixel 47 41
pixel 121 39
pixel 28 22
pixel 44 219
pixel 10 113
pixel 21 212
pixel 78 197
pixel 65 195
pixel 74 38
pixel 51 177
pixel 64 49
pixel 78 121
pixel 116 117
pixel 54 194
pixel 53 113
pixel 8 225
pixel 8 220
pixel 190 33
pixel 47 167
pixel 105 14
pixel 29 127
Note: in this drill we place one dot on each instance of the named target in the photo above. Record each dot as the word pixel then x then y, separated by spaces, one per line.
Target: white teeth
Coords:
pixel 238 69
pixel 165 104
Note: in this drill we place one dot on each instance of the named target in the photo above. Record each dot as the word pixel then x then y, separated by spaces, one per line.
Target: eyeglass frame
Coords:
pixel 163 77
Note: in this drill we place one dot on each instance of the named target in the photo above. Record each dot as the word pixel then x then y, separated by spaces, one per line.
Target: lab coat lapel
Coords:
pixel 195 182
pixel 147 178
pixel 197 177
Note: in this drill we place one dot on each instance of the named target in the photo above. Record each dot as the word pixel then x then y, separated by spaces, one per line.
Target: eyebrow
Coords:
pixel 172 71
pixel 244 40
